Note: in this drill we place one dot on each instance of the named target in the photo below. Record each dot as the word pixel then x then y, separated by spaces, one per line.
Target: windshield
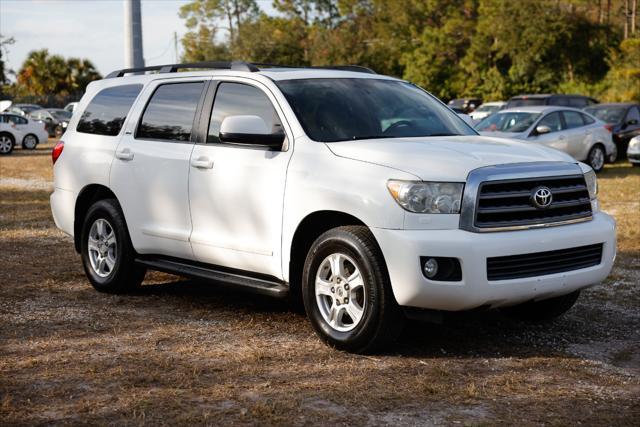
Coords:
pixel 332 110
pixel 60 114
pixel 607 114
pixel 507 122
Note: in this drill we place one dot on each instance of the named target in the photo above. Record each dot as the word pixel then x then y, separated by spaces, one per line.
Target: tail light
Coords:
pixel 609 128
pixel 57 151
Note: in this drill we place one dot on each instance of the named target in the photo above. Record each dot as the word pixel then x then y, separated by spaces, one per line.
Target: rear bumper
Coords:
pixel 403 248
pixel 62 207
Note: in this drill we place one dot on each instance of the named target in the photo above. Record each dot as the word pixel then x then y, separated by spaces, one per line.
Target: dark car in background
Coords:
pixel 622 119
pixel 575 101
pixel 56 120
pixel 464 105
pixel 23 109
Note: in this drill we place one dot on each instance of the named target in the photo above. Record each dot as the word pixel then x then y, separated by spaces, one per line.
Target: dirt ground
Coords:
pixel 182 352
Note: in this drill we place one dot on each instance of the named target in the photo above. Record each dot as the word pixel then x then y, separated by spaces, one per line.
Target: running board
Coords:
pixel 242 280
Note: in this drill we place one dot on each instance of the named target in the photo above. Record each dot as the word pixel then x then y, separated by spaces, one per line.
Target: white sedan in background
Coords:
pixel 633 152
pixel 487 109
pixel 566 129
pixel 29 133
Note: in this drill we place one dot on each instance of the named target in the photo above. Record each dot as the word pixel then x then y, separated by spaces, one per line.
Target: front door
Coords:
pixel 556 138
pixel 237 191
pixel 150 172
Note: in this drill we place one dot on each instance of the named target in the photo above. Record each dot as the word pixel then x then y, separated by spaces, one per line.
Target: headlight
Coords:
pixel 592 184
pixel 427 197
pixel 65 124
pixel 634 144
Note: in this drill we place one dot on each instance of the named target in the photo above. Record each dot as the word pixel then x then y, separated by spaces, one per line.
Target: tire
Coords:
pixel 7 143
pixel 542 311
pixel 117 272
pixel 30 142
pixel 597 158
pixel 635 165
pixel 369 296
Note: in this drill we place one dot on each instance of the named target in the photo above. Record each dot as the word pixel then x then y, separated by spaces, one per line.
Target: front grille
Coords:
pixel 542 263
pixel 508 203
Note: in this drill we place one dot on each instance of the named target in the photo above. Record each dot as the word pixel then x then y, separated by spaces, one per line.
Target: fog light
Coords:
pixel 430 268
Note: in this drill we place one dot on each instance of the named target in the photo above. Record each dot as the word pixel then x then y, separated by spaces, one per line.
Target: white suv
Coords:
pixel 360 195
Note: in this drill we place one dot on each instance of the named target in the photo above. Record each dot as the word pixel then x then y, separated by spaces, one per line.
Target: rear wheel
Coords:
pixel 596 158
pixel 347 293
pixel 6 143
pixel 30 142
pixel 108 257
pixel 542 311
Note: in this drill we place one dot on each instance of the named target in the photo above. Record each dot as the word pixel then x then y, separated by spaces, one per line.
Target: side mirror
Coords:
pixel 249 130
pixel 467 118
pixel 542 129
pixel 48 119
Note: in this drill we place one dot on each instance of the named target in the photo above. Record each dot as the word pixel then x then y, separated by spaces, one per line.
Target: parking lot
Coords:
pixel 183 352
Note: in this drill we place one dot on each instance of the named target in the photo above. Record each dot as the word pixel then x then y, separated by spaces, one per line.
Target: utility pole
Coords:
pixel 133 57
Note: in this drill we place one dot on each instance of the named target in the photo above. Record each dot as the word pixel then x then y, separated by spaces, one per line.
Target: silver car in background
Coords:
pixel 566 129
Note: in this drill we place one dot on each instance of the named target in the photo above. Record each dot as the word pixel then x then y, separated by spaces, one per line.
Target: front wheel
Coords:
pixel 108 257
pixel 30 142
pixel 542 311
pixel 347 293
pixel 596 158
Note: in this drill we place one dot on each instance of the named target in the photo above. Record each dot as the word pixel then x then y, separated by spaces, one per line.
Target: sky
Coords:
pixel 91 29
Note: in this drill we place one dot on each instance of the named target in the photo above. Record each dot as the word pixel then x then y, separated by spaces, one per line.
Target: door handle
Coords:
pixel 202 163
pixel 124 154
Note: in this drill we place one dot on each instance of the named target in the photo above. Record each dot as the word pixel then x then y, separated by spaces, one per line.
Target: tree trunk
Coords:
pixel 634 15
pixel 626 19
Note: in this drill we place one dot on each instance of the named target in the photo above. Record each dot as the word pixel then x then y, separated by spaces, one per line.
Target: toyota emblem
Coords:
pixel 541 197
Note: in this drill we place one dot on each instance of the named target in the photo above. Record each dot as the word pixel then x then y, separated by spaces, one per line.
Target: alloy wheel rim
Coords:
pixel 597 159
pixel 5 144
pixel 340 292
pixel 102 247
pixel 30 141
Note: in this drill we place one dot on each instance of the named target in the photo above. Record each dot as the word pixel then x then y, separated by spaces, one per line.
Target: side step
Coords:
pixel 264 285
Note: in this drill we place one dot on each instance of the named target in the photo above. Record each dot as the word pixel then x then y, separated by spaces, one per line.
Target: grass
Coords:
pixel 183 352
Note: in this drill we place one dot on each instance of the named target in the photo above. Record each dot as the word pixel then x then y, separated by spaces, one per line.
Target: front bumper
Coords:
pixel 402 250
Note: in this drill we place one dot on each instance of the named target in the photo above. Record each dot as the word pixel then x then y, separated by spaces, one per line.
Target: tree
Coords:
pixel 4 42
pixel 43 74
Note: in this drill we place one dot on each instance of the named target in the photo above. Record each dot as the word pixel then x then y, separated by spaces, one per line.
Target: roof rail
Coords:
pixel 231 65
pixel 172 68
pixel 354 68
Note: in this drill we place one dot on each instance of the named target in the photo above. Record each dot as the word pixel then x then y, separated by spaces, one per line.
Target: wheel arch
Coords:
pixel 307 231
pixel 87 197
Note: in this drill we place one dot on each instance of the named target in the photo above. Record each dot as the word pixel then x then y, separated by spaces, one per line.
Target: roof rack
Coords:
pixel 231 65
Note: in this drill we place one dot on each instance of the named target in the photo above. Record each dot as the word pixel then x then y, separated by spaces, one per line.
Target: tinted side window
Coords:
pixel 18 120
pixel 107 111
pixel 587 120
pixel 572 119
pixel 170 112
pixel 560 100
pixel 633 114
pixel 239 99
pixel 553 121
pixel 577 102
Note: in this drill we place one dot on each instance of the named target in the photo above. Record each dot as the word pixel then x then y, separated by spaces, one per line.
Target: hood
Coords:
pixel 512 135
pixel 448 158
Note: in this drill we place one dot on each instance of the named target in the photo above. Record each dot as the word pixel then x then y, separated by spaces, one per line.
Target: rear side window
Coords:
pixel 170 112
pixel 587 120
pixel 107 111
pixel 633 114
pixel 577 102
pixel 573 119
pixel 560 100
pixel 239 99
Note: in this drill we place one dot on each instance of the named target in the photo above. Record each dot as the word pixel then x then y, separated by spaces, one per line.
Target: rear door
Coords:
pixel 578 135
pixel 237 191
pixel 150 172
pixel 631 124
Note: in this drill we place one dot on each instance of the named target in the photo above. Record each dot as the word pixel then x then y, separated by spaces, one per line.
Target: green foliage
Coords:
pixel 622 82
pixel 44 75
